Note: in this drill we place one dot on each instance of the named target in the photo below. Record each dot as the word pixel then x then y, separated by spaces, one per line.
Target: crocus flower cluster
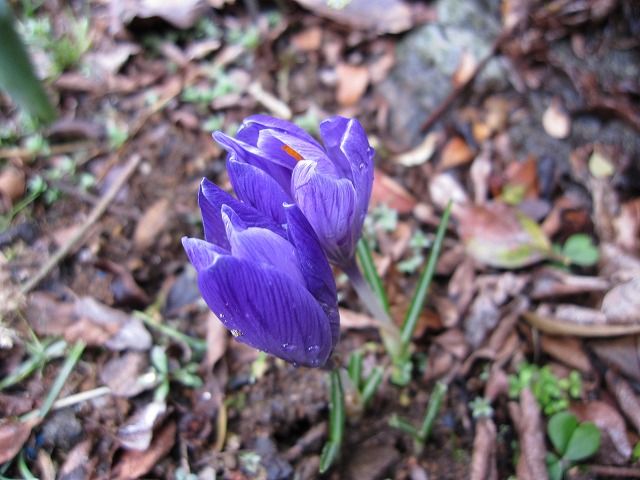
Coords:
pixel 263 266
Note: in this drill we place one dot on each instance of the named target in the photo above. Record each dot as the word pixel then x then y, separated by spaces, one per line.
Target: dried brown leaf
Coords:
pixel 134 464
pixel 352 83
pixel 455 153
pixel 381 16
pixel 533 450
pixel 179 13
pixel 547 323
pixel 422 153
pixel 12 183
pixel 13 435
pixel 77 464
pixel 621 304
pixel 483 461
pixel 308 40
pixel 152 223
pixel 552 282
pixel 445 187
pixel 567 350
pixel 621 353
pixel 217 339
pixel 389 192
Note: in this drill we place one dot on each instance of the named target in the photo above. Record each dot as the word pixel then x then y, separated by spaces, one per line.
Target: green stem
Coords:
pixel 388 330
pixel 196 344
pixel 331 450
pixel 433 408
pixel 371 273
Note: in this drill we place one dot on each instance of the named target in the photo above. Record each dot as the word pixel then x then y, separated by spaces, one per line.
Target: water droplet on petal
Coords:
pixel 289 347
pixel 314 363
pixel 221 316
pixel 313 349
pixel 236 333
pixel 361 166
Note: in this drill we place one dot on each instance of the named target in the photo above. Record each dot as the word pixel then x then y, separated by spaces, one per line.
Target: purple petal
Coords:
pixel 283 147
pixel 256 188
pixel 330 206
pixel 314 266
pixel 279 168
pixel 264 121
pixel 261 246
pixel 201 254
pixel 347 145
pixel 267 310
pixel 211 198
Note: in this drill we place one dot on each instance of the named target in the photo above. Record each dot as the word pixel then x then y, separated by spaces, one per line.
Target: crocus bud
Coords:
pixel 272 162
pixel 269 283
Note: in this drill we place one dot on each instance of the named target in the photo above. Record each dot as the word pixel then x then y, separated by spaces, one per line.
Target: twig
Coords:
pixel 96 213
pixel 457 91
pixel 72 400
pixel 613 471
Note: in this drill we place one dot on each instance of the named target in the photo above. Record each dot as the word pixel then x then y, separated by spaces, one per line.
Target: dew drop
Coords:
pixel 236 333
pixel 313 349
pixel 289 347
pixel 361 166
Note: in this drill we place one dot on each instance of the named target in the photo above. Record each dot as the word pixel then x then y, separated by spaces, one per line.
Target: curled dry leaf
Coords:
pixel 483 461
pixel 500 236
pixel 137 432
pixel 179 13
pixel 445 187
pixel 610 424
pixel 134 464
pixel 547 323
pixel 552 282
pixel 422 153
pixel 380 16
pixel 567 350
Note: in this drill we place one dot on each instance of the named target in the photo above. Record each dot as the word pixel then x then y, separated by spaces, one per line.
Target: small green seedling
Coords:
pixel 366 387
pixel 185 375
pixel 573 441
pixel 481 408
pixel 635 455
pixel 580 250
pixel 552 393
pixel 421 435
pixel 418 243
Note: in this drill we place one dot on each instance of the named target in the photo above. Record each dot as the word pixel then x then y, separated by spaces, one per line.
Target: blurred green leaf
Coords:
pixel 580 250
pixel 17 76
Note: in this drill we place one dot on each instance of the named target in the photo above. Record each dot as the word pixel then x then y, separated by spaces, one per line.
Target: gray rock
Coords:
pixel 428 57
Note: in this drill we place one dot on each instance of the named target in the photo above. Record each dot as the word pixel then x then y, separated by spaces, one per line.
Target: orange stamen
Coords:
pixel 292 152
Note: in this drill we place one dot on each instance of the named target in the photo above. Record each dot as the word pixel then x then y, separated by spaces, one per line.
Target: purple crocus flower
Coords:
pixel 273 162
pixel 268 282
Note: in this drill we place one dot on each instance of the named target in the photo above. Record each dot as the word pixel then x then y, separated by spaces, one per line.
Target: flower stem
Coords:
pixel 388 330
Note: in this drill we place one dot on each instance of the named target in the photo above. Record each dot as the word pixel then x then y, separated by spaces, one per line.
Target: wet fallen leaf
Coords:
pixel 13 435
pixel 134 464
pixel 352 83
pixel 500 236
pixel 389 192
pixel 556 120
pixel 137 432
pixel 422 153
pixel 381 16
pixel 152 223
pixel 455 153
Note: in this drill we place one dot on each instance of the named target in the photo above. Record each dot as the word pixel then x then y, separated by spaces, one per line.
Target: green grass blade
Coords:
pixel 420 295
pixel 17 76
pixel 370 273
pixel 371 385
pixel 433 408
pixel 63 375
pixel 355 368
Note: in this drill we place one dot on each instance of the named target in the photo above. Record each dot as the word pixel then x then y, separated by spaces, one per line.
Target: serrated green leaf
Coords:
pixel 560 429
pixel 584 442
